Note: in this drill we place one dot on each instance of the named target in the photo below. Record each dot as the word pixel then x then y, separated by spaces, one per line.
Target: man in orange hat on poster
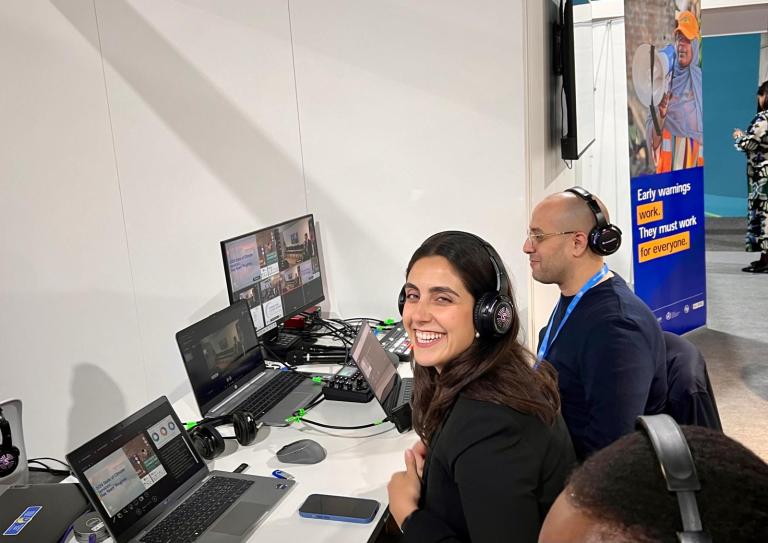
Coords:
pixel 680 142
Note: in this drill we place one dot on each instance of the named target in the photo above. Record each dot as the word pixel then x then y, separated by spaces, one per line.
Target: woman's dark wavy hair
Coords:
pixel 623 488
pixel 498 370
pixel 762 90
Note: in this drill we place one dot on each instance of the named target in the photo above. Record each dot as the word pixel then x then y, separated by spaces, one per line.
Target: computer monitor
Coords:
pixel 276 270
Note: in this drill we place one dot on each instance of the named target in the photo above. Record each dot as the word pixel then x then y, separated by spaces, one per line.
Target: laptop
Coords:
pixel 226 369
pixel 149 484
pixel 391 391
pixel 41 512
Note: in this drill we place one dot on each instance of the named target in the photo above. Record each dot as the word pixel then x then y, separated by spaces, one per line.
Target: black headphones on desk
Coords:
pixel 678 470
pixel 9 455
pixel 605 238
pixel 493 312
pixel 209 443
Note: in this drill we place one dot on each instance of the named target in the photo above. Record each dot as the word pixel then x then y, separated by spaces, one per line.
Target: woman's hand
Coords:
pixel 420 453
pixel 404 490
pixel 737 133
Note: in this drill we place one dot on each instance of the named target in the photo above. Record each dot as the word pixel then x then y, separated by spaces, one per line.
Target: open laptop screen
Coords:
pixel 220 353
pixel 136 465
pixel 374 363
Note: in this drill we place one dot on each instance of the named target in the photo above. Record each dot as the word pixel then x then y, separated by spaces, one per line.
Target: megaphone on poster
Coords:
pixel 652 72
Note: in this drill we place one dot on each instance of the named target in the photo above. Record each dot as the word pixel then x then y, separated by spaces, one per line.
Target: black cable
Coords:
pixel 48 469
pixel 298 417
pixel 315 423
pixel 378 322
pixel 313 404
pixel 285 364
pixel 337 333
pixel 49 458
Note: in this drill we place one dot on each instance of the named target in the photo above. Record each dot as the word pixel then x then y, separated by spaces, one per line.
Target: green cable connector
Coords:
pixel 297 417
pixel 189 425
pixel 317 379
pixel 388 323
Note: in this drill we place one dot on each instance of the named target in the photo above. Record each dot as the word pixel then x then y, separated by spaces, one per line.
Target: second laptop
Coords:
pixel 226 369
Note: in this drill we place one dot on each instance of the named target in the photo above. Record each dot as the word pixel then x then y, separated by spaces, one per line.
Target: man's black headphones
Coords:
pixel 678 470
pixel 210 443
pixel 494 311
pixel 605 238
pixel 9 455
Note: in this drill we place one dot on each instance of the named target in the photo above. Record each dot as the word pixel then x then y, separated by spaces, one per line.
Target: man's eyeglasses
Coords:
pixel 537 238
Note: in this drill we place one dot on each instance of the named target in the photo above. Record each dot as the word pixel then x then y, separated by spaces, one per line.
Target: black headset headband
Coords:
pixel 502 281
pixel 592 203
pixel 493 314
pixel 678 470
pixel 5 431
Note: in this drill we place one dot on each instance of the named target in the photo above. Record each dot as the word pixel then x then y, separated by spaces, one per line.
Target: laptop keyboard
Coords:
pixel 407 389
pixel 270 394
pixel 188 521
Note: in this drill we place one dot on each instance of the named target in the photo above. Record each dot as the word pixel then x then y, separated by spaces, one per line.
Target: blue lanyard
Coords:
pixel 545 343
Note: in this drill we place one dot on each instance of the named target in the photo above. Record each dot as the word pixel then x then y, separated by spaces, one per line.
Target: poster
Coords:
pixel 666 154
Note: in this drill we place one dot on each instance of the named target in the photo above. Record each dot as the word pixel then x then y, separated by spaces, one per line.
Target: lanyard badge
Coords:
pixel 546 343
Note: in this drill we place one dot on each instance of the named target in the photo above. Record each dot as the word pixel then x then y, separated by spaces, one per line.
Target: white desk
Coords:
pixel 359 464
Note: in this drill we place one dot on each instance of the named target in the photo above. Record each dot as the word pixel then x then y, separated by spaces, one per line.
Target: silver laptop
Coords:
pixel 226 369
pixel 149 484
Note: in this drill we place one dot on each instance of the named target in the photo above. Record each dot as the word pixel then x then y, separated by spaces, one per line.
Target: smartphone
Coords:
pixel 341 508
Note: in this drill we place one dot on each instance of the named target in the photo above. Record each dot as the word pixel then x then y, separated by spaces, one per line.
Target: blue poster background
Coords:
pixel 673 285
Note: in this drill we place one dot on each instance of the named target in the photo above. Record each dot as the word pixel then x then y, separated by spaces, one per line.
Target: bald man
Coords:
pixel 603 340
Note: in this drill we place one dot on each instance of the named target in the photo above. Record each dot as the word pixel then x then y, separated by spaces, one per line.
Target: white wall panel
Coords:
pixel 411 118
pixel 203 107
pixel 68 327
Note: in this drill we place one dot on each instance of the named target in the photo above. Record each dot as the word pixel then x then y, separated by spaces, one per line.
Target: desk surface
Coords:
pixel 359 464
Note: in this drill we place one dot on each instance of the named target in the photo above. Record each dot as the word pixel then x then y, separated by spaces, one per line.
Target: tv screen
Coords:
pixel 276 270
pixel 578 78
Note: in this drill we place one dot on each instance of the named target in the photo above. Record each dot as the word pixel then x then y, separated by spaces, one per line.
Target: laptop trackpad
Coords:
pixel 240 518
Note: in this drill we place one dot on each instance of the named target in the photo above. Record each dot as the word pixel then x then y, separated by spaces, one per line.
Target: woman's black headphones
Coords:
pixel 9 455
pixel 679 472
pixel 210 443
pixel 605 238
pixel 494 311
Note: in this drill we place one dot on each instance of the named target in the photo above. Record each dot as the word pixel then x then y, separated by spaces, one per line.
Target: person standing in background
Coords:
pixel 754 142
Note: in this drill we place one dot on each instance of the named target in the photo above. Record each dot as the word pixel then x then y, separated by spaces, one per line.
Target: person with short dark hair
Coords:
pixel 619 494
pixel 754 143
pixel 494 450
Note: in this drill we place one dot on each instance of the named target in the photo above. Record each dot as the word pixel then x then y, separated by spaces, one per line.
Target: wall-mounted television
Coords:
pixel 573 61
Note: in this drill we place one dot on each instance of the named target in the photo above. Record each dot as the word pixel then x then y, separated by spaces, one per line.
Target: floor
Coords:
pixel 735 341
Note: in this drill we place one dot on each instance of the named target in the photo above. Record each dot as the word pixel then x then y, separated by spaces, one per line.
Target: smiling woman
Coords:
pixel 494 451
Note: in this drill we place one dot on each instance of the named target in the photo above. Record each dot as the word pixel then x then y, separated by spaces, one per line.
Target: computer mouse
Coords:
pixel 303 451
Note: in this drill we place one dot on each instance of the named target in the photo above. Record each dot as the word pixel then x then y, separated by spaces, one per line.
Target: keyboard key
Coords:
pixel 270 394
pixel 190 519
